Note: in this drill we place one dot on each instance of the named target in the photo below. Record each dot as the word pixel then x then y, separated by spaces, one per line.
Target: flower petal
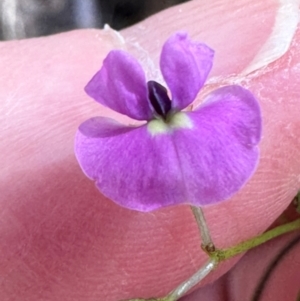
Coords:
pixel 201 164
pixel 121 85
pixel 221 153
pixel 185 66
pixel 134 169
pixel 101 127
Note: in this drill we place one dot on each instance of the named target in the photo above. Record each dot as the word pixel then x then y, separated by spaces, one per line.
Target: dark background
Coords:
pixel 32 18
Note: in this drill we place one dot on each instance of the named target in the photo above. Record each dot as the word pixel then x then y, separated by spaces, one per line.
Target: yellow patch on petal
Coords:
pixel 177 121
pixel 181 120
pixel 157 126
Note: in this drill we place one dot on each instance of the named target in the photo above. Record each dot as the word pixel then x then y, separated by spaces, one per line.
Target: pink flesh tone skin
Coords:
pixel 61 240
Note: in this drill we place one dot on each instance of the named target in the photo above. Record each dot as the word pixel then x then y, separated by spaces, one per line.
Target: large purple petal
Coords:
pixel 103 127
pixel 121 85
pixel 202 158
pixel 221 153
pixel 185 66
pixel 134 169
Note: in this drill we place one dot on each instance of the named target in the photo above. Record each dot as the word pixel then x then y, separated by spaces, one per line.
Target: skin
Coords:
pixel 60 239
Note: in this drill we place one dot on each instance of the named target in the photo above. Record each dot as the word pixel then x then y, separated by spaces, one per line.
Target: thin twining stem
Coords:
pixel 185 286
pixel 224 254
pixel 207 243
pixel 195 279
pixel 220 255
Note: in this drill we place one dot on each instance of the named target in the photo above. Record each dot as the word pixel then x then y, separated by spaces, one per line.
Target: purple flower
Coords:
pixel 175 157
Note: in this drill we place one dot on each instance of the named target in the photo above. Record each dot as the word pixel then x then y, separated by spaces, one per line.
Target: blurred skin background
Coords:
pixel 58 241
pixel 32 18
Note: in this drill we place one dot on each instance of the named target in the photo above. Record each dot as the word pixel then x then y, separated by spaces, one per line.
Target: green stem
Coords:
pixel 224 254
pixel 207 243
pixel 185 286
